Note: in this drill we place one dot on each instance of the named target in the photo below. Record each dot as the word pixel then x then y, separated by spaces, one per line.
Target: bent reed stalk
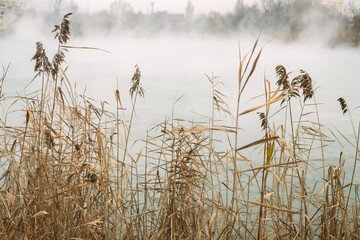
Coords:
pixel 67 171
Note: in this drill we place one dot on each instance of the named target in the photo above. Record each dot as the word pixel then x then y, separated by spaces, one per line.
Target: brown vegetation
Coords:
pixel 67 172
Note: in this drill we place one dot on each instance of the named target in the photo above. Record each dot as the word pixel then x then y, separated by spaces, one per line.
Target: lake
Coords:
pixel 174 66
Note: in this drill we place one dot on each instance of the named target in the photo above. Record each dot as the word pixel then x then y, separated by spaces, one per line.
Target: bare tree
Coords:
pixel 121 7
pixel 57 4
pixel 354 7
pixel 275 5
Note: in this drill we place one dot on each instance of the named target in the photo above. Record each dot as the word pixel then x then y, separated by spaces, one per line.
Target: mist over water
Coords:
pixel 174 63
pixel 75 154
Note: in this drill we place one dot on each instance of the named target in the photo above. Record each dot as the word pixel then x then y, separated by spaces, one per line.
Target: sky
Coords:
pixel 174 6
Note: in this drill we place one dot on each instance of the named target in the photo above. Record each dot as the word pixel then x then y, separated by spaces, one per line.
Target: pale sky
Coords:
pixel 174 6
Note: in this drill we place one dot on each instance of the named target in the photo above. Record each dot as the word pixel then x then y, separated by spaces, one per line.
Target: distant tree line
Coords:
pixel 286 19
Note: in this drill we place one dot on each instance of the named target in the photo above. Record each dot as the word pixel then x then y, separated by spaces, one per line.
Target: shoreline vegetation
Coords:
pixel 67 171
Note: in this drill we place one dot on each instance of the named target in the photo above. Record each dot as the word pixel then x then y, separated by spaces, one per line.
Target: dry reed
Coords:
pixel 67 172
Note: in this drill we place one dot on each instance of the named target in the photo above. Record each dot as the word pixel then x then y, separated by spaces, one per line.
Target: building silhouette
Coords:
pixel 334 6
pixel 11 8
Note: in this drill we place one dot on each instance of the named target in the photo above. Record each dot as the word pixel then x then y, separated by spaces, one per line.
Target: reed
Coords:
pixel 67 171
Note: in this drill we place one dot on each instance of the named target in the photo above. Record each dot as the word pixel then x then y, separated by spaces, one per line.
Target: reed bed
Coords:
pixel 67 171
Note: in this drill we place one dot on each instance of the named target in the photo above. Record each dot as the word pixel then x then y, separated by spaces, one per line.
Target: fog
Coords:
pixel 174 59
pixel 75 159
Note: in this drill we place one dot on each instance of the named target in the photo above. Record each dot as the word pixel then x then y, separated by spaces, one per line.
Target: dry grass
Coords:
pixel 67 172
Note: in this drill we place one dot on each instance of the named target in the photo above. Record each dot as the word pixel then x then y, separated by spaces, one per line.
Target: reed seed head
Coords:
pixel 264 121
pixel 136 84
pixel 343 105
pixel 42 63
pixel 306 85
pixel 283 77
pixel 62 31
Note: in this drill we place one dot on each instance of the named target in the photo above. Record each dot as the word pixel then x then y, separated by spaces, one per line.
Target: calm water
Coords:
pixel 173 66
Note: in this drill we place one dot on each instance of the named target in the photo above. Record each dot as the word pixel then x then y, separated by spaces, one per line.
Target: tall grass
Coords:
pixel 67 172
